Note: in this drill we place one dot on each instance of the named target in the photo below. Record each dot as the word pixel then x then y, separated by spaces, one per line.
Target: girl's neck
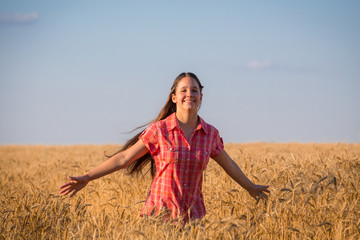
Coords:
pixel 187 119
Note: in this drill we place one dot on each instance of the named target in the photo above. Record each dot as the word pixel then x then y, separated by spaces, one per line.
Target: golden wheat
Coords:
pixel 315 195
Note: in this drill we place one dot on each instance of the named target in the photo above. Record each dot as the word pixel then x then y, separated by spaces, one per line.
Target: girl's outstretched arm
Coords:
pixel 233 170
pixel 116 162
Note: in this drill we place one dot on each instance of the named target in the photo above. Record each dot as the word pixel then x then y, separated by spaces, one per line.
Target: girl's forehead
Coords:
pixel 187 82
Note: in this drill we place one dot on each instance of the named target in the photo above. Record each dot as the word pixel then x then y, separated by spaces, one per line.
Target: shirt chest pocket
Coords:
pixel 195 157
pixel 171 154
pixel 201 158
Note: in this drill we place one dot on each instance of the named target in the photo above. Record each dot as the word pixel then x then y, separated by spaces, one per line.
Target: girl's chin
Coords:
pixel 189 108
pixel 189 105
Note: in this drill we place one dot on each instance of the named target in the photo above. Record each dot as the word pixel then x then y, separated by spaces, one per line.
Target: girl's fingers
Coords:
pixel 263 189
pixel 73 186
pixel 68 184
pixel 64 192
pixel 65 189
pixel 73 180
pixel 74 193
pixel 65 185
pixel 266 189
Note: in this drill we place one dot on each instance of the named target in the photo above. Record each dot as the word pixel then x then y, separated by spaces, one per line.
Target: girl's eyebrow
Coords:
pixel 189 87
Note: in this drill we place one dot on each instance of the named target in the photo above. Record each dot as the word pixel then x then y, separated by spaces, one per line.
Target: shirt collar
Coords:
pixel 172 123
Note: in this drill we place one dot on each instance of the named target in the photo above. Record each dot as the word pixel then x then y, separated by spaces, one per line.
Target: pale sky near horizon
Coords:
pixel 85 72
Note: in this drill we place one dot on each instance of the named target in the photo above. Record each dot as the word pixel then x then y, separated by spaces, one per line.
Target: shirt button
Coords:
pixel 184 184
pixel 185 171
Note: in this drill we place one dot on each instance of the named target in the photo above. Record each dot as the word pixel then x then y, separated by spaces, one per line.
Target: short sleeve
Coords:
pixel 149 138
pixel 217 146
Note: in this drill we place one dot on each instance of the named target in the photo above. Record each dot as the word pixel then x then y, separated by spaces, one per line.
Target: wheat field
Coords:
pixel 314 195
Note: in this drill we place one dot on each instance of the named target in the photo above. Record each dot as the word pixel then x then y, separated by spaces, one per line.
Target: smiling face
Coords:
pixel 187 95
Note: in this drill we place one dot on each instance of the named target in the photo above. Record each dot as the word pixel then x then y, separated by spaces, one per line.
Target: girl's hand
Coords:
pixel 74 185
pixel 258 191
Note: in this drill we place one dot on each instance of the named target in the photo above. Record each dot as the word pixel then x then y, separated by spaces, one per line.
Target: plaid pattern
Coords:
pixel 176 190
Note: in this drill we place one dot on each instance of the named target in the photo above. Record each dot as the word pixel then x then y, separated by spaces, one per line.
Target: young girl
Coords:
pixel 178 144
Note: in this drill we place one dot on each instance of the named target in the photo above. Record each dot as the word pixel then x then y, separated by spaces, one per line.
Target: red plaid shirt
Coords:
pixel 177 187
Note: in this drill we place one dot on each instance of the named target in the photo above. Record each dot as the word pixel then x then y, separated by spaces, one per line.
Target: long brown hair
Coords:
pixel 167 110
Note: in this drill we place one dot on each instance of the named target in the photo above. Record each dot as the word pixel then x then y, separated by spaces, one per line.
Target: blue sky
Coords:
pixel 86 72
